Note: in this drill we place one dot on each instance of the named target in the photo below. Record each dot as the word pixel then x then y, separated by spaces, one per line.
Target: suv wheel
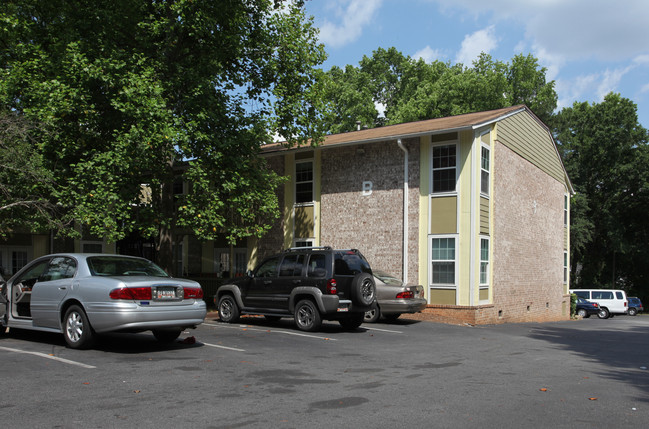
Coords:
pixel 363 289
pixel 352 321
pixel 633 311
pixel 228 309
pixel 307 316
pixel 603 313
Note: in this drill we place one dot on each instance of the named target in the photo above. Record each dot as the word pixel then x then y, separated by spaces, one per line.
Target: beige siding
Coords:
pixel 442 296
pixel 484 215
pixel 522 134
pixel 443 215
pixel 304 222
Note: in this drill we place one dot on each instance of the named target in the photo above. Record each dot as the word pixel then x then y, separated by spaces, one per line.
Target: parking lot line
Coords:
pixel 383 330
pixel 277 331
pixel 223 347
pixel 70 362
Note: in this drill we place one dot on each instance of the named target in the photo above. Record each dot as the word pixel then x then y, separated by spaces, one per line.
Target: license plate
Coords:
pixel 165 293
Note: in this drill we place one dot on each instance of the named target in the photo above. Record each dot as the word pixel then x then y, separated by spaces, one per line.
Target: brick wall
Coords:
pixel 373 224
pixel 527 242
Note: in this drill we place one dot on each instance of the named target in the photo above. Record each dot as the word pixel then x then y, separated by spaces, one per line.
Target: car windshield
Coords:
pixel 387 278
pixel 116 266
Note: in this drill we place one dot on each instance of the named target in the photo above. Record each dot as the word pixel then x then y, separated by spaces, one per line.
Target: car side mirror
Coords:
pixel 250 274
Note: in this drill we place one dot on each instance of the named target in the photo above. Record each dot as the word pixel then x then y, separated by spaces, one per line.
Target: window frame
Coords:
pixel 431 261
pixel 302 182
pixel 436 145
pixel 483 147
pixel 487 263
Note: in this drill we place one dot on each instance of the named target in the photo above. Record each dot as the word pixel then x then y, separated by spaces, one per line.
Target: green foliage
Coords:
pixel 606 153
pixel 412 90
pixel 135 94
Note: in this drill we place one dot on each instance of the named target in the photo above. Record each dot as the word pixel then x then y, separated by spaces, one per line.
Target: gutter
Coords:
pixel 405 211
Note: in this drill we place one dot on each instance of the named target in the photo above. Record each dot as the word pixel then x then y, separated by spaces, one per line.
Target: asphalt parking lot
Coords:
pixel 585 373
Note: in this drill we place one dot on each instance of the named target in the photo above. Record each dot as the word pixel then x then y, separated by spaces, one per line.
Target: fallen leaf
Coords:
pixel 189 340
pixel 86 382
pixel 592 399
pixel 136 391
pixel 543 389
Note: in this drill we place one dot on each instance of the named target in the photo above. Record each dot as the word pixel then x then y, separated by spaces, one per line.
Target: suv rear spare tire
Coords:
pixel 363 289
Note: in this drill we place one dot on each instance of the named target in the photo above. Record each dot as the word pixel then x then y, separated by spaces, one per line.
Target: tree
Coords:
pixel 139 95
pixel 25 185
pixel 413 90
pixel 606 155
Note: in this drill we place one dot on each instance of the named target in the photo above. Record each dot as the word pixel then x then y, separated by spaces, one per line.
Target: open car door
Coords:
pixel 3 302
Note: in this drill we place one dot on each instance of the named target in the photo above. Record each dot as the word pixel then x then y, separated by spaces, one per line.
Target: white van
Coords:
pixel 610 301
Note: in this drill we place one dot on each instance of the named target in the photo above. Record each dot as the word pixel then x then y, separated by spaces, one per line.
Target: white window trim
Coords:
pixel 295 182
pixel 455 143
pixel 430 261
pixel 566 210
pixel 488 283
pixel 566 267
pixel 311 241
pixel 483 145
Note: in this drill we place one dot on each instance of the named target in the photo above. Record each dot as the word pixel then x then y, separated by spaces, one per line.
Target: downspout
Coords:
pixel 405 211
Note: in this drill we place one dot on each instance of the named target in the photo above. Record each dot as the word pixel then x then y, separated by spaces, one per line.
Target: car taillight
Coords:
pixel 193 293
pixel 332 287
pixel 405 295
pixel 131 293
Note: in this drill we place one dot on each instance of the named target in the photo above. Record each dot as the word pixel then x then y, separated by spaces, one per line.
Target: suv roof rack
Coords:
pixel 295 249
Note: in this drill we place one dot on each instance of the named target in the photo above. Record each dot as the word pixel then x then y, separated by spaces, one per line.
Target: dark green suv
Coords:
pixel 310 284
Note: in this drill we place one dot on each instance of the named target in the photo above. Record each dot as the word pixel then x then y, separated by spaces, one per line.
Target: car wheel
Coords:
pixel 603 313
pixel 363 289
pixel 633 311
pixel 352 321
pixel 166 335
pixel 392 317
pixel 228 309
pixel 307 316
pixel 372 315
pixel 582 313
pixel 76 329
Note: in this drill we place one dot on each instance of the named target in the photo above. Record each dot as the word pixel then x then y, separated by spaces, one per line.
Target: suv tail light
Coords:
pixel 131 293
pixel 193 293
pixel 332 287
pixel 405 295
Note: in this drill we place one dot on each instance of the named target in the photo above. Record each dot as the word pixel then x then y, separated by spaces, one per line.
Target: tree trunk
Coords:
pixel 167 225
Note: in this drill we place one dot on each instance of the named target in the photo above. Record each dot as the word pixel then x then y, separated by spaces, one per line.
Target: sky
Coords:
pixel 589 47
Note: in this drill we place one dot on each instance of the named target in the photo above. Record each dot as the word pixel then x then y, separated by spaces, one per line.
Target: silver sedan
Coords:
pixel 81 295
pixel 393 298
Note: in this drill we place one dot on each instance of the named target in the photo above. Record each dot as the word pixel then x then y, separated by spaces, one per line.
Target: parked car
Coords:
pixel 610 301
pixel 309 284
pixel 81 295
pixel 393 298
pixel 635 306
pixel 586 308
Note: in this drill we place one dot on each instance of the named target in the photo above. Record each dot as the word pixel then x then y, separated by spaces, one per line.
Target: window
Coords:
pixel 565 267
pixel 230 262
pixel 443 261
pixel 18 260
pixel 59 268
pixel 484 171
pixel 268 268
pixel 303 243
pixel 303 182
pixel 317 265
pixel 444 165
pixel 291 266
pixel 565 211
pixel 484 262
pixel 602 295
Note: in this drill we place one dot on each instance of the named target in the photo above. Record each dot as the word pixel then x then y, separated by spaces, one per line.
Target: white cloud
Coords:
pixel 428 54
pixel 474 44
pixel 610 81
pixel 596 29
pixel 353 16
